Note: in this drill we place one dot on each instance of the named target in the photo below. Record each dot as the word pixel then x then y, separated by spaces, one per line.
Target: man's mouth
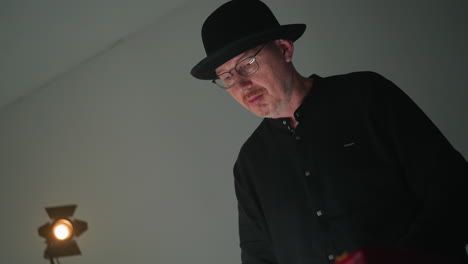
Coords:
pixel 255 97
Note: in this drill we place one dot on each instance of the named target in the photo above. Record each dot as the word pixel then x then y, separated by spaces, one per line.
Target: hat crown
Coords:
pixel 235 27
pixel 235 20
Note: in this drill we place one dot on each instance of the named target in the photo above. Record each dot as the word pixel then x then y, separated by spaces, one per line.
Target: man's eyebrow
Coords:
pixel 220 72
pixel 223 70
pixel 244 55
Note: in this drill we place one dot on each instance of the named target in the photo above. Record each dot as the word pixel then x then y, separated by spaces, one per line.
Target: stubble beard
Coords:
pixel 276 109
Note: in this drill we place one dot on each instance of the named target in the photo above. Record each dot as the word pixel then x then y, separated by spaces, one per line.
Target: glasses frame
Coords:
pixel 251 59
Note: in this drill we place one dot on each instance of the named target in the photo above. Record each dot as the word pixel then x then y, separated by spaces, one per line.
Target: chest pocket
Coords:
pixel 352 177
pixel 352 155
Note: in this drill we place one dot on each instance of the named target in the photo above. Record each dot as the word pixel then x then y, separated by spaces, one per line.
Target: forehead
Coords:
pixel 228 65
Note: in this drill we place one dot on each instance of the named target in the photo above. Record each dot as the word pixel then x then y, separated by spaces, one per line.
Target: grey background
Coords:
pixel 146 151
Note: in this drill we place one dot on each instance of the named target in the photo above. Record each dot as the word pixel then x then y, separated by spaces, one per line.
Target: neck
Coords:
pixel 301 87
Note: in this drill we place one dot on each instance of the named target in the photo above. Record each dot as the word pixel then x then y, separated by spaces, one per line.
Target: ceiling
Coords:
pixel 41 40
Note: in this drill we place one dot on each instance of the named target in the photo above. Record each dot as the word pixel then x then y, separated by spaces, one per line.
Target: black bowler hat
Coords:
pixel 236 27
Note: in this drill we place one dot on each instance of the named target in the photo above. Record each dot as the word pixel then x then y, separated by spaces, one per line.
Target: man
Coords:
pixel 338 163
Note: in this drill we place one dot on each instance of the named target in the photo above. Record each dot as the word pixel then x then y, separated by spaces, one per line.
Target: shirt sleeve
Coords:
pixel 254 239
pixel 436 173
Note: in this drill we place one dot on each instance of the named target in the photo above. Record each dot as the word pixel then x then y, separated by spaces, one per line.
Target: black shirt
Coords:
pixel 365 167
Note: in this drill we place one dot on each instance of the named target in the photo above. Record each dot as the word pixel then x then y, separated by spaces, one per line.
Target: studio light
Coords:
pixel 60 234
pixel 62 229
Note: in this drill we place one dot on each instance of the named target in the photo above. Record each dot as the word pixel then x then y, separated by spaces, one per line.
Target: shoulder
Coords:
pixel 358 79
pixel 359 75
pixel 358 85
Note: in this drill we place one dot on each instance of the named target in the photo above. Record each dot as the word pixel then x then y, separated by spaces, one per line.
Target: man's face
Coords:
pixel 267 92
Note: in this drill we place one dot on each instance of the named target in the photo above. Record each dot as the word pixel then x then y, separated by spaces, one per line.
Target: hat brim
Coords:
pixel 205 69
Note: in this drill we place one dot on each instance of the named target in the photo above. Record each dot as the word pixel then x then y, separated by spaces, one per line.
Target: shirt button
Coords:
pixel 284 122
pixel 298 137
pixel 307 173
pixel 319 213
pixel 331 257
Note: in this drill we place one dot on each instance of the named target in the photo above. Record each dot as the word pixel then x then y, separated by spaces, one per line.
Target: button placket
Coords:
pixel 297 115
pixel 286 124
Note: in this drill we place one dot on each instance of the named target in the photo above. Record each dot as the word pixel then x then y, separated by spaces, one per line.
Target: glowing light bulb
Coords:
pixel 62 229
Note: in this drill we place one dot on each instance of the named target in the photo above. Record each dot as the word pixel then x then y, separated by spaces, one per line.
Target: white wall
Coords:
pixel 146 151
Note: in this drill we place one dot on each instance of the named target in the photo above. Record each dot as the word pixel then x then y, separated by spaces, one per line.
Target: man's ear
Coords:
pixel 286 47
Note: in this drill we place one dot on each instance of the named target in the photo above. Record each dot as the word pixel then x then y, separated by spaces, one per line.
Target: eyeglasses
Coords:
pixel 245 67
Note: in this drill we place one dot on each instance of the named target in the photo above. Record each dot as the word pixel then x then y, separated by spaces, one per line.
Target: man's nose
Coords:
pixel 243 82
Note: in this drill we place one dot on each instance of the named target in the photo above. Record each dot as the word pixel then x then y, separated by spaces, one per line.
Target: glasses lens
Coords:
pixel 219 83
pixel 225 80
pixel 247 66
